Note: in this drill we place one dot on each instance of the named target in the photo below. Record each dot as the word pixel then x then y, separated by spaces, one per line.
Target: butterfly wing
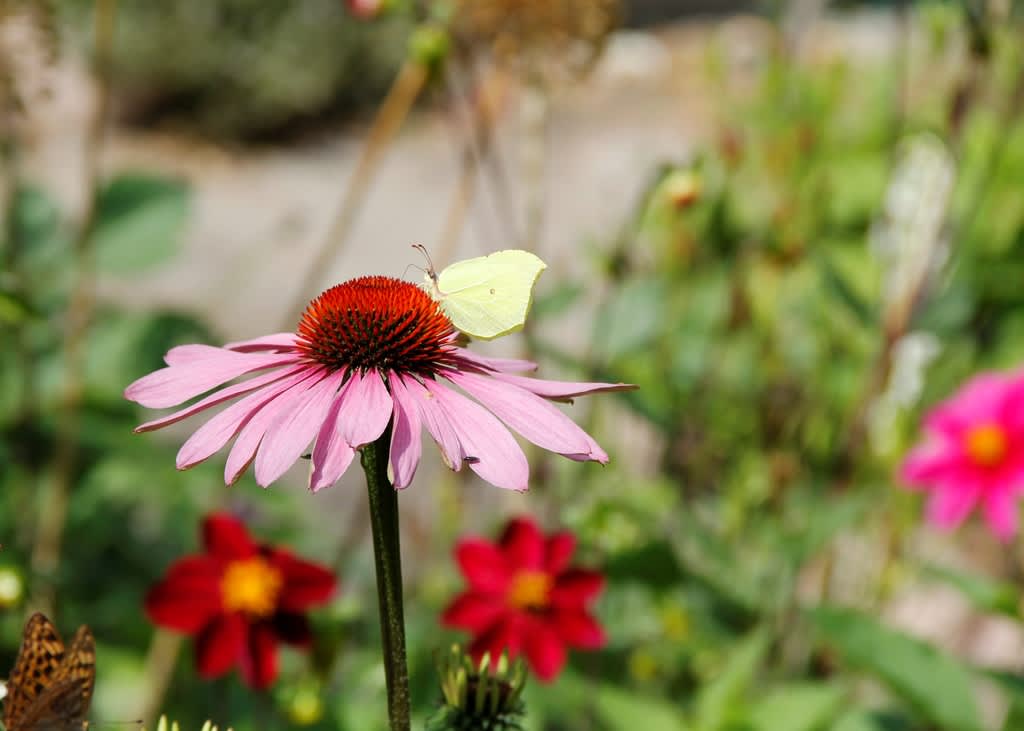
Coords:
pixel 51 687
pixel 39 659
pixel 491 295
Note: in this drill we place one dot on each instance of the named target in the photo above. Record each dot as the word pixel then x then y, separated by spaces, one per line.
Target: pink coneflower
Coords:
pixel 523 597
pixel 974 454
pixel 368 353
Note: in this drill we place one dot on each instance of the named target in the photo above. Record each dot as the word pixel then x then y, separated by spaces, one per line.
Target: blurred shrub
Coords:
pixel 246 68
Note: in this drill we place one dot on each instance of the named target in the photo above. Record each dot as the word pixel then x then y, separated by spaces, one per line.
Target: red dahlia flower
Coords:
pixel 524 598
pixel 239 599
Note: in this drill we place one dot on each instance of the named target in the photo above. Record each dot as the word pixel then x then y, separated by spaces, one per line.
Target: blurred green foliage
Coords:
pixel 246 68
pixel 753 296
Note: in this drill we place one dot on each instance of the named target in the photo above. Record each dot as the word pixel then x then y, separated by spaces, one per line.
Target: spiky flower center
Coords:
pixel 376 322
pixel 530 590
pixel 252 586
pixel 987 444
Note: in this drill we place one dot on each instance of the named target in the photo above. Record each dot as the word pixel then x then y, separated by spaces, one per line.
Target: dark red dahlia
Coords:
pixel 524 597
pixel 239 599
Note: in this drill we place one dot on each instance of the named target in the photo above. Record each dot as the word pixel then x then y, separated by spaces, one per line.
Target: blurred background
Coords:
pixel 795 225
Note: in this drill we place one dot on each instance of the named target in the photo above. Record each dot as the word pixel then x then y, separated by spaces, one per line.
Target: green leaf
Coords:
pixel 631 319
pixel 934 684
pixel 861 720
pixel 988 595
pixel 653 564
pixel 718 700
pixel 139 224
pixel 797 707
pixel 621 709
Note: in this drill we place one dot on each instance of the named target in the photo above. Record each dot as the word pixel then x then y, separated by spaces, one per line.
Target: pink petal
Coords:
pixel 437 424
pixel 174 384
pixel 562 390
pixel 277 341
pixel 506 365
pixel 1001 513
pixel 221 396
pixel 215 433
pixel 365 409
pixel 331 455
pixel 249 438
pixel 186 354
pixel 529 414
pixel 979 401
pixel 950 504
pixel 406 446
pixel 493 452
pixel 288 437
pixel 932 461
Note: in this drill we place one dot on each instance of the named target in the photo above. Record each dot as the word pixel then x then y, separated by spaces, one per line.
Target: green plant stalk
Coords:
pixel 387 559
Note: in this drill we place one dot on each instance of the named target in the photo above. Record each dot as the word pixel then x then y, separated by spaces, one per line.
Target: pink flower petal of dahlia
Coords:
pixel 973 454
pixel 369 354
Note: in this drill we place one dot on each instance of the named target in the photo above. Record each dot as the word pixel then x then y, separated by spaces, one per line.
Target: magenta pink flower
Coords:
pixel 974 454
pixel 368 353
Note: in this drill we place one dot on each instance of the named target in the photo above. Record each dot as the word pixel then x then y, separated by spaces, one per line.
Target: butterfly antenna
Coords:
pixel 431 272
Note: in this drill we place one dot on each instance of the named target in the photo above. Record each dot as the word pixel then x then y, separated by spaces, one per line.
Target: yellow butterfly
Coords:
pixel 488 296
pixel 51 686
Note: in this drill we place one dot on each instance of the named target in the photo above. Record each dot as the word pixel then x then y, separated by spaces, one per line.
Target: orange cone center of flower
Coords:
pixel 376 322
pixel 530 590
pixel 251 586
pixel 986 444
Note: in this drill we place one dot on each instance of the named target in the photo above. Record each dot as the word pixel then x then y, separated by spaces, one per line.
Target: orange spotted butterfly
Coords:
pixel 50 687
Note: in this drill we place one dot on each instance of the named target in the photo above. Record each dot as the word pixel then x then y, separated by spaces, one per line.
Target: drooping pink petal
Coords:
pixel 173 385
pixel 277 341
pixel 215 433
pixel 406 445
pixel 561 390
pixel 252 433
pixel 472 612
pixel 530 415
pixel 523 545
pixel 331 455
pixel 506 365
pixel 186 354
pixel 365 409
pixel 288 437
pixel 1000 508
pixel 484 566
pixel 495 455
pixel 221 396
pixel 950 504
pixel 437 424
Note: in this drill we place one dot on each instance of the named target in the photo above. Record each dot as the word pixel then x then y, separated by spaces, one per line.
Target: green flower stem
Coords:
pixel 387 560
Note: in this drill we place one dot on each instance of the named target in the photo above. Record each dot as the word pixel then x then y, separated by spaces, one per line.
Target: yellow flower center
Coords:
pixel 251 586
pixel 530 590
pixel 986 444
